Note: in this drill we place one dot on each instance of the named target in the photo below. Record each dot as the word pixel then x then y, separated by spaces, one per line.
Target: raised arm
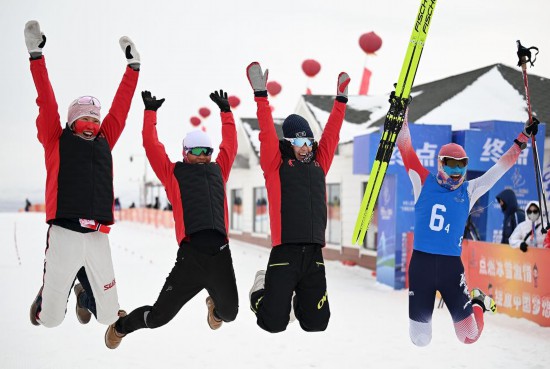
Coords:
pixel 115 120
pixel 416 171
pixel 331 134
pixel 155 151
pixel 48 122
pixel 270 156
pixel 228 146
pixel 477 187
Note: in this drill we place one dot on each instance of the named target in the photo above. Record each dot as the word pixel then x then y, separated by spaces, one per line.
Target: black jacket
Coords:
pixel 512 214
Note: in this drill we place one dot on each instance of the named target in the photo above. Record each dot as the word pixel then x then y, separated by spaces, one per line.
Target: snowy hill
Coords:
pixel 368 327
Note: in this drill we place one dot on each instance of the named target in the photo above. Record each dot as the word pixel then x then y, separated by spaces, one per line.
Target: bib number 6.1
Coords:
pixel 437 220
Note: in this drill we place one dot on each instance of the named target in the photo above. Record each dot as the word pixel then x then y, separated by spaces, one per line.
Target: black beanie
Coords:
pixel 296 126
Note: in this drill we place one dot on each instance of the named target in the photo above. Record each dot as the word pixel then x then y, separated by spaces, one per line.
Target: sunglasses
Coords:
pixel 197 151
pixel 453 163
pixel 301 141
pixel 87 100
pixel 532 211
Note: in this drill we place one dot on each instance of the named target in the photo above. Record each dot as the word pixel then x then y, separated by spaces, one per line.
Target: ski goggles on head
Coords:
pixel 301 141
pixel 197 151
pixel 87 100
pixel 454 163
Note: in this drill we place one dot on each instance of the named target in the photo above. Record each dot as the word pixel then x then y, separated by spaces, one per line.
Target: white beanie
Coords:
pixel 196 139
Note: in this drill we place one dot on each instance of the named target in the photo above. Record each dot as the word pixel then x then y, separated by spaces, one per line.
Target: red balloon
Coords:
pixel 204 112
pixel 311 67
pixel 273 88
pixel 370 42
pixel 234 101
pixel 195 121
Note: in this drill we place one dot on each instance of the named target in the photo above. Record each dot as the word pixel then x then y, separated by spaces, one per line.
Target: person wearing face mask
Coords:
pixel 513 215
pixel 79 192
pixel 294 169
pixel 443 202
pixel 529 232
pixel 195 187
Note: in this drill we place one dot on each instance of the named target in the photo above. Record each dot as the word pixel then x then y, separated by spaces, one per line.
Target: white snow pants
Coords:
pixel 67 251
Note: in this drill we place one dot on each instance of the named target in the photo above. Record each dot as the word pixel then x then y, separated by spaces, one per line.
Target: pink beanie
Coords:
pixel 84 106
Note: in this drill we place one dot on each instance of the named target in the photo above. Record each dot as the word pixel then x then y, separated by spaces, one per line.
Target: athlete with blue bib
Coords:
pixel 442 205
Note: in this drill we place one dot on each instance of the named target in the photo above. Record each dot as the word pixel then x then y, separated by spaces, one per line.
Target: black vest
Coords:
pixel 303 202
pixel 202 196
pixel 85 179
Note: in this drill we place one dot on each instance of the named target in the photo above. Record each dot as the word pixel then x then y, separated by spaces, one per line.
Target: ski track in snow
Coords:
pixel 368 327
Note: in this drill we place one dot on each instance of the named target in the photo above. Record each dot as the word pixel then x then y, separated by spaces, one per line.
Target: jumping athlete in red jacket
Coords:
pixel 79 192
pixel 294 169
pixel 196 189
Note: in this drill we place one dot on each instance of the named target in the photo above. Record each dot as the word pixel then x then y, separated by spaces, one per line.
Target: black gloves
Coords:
pixel 523 247
pixel 531 129
pixel 220 98
pixel 151 102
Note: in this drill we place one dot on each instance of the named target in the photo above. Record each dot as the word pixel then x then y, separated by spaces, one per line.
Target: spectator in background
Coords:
pixel 27 205
pixel 157 203
pixel 512 214
pixel 529 232
pixel 132 205
pixel 117 204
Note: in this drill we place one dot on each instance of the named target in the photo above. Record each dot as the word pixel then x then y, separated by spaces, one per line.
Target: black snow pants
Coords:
pixel 293 268
pixel 199 264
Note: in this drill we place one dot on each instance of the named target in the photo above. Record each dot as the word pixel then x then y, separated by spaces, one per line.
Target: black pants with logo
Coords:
pixel 197 267
pixel 292 268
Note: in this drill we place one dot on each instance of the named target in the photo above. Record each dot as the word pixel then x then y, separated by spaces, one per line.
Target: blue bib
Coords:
pixel 440 218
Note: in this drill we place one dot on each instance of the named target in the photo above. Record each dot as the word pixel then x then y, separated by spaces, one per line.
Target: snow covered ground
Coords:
pixel 368 327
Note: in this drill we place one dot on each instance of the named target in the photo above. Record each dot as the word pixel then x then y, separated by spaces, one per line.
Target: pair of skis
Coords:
pixel 399 102
pixel 524 56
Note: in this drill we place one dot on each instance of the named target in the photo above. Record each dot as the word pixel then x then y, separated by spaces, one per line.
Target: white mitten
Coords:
pixel 132 55
pixel 257 78
pixel 343 82
pixel 34 38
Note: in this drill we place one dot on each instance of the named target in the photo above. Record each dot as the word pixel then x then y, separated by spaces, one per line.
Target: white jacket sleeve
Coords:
pixel 516 238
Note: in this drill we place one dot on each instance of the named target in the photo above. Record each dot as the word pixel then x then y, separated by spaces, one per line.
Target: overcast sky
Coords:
pixel 190 48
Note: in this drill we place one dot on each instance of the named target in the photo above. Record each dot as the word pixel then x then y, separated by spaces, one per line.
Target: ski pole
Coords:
pixel 524 56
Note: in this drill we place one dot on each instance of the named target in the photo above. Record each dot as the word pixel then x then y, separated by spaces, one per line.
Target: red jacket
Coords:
pixel 271 159
pixel 49 127
pixel 164 168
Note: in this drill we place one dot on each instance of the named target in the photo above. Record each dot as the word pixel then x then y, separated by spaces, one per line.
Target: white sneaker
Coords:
pixel 259 283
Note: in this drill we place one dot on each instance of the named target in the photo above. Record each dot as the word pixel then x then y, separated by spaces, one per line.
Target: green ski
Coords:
pixel 394 118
